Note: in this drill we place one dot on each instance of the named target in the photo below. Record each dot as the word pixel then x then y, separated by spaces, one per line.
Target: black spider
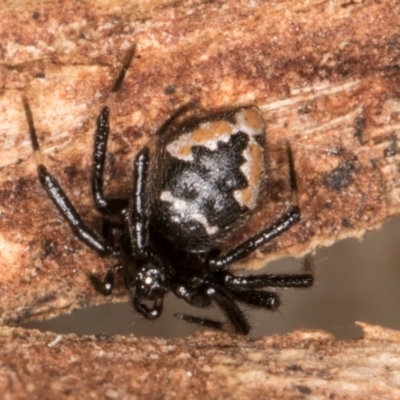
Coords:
pixel 201 183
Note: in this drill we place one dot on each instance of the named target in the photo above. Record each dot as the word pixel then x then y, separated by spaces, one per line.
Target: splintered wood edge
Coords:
pixel 325 78
pixel 302 364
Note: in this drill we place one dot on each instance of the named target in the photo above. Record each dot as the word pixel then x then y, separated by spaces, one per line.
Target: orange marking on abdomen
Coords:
pixel 211 132
pixel 184 151
pixel 253 119
pixel 257 164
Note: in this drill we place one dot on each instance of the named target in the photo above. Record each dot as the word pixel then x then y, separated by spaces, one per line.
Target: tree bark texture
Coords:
pixel 300 365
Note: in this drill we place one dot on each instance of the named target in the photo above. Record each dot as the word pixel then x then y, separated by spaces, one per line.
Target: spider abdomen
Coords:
pixel 208 179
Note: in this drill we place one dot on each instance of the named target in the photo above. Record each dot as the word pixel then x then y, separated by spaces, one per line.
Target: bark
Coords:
pixel 303 364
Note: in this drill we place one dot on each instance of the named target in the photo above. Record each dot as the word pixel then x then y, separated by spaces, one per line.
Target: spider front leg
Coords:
pixel 137 226
pixel 103 205
pixel 60 199
pixel 136 217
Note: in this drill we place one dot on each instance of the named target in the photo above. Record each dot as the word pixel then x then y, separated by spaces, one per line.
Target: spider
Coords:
pixel 198 184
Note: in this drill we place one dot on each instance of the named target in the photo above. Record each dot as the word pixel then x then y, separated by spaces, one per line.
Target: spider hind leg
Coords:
pixel 206 322
pixel 203 296
pixel 288 219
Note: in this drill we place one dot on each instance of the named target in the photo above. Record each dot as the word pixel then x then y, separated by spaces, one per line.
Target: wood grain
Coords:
pixel 303 364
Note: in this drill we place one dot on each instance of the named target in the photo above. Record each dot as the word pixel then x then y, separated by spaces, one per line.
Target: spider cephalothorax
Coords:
pixel 201 183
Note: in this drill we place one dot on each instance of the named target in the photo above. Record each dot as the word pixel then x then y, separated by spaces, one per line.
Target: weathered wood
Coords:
pixel 303 364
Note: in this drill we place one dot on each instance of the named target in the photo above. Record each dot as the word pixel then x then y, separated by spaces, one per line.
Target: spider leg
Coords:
pixel 305 280
pixel 148 312
pixel 257 298
pixel 136 218
pixel 60 199
pixel 125 66
pixel 298 280
pixel 180 111
pixel 202 297
pixel 286 221
pixel 244 288
pixel 229 307
pixel 111 231
pixel 103 205
pixel 206 322
pixel 282 224
pixel 106 285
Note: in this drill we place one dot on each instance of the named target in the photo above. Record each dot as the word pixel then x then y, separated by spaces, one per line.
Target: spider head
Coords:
pixel 151 282
pixel 151 285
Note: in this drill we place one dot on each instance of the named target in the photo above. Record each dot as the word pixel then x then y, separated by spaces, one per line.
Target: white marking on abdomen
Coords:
pixel 187 211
